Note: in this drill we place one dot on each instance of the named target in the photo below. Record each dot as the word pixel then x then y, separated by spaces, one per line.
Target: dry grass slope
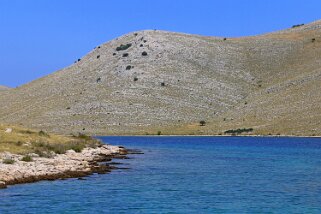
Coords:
pixel 151 81
pixel 19 140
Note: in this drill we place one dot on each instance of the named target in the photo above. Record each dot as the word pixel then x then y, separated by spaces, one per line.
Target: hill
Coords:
pixel 155 81
pixel 3 87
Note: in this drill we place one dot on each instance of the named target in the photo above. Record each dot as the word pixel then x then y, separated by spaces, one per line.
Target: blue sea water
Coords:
pixel 188 175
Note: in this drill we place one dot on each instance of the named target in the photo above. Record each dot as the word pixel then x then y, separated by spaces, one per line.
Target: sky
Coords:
pixel 38 37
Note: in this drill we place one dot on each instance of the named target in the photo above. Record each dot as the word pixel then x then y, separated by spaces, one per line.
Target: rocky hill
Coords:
pixel 155 81
pixel 3 88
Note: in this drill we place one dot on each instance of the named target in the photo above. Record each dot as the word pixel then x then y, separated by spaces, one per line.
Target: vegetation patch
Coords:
pixel 27 158
pixel 202 123
pixel 8 161
pixel 123 47
pixel 23 141
pixel 299 25
pixel 238 131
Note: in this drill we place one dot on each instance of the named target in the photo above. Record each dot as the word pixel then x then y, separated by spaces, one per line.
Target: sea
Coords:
pixel 187 175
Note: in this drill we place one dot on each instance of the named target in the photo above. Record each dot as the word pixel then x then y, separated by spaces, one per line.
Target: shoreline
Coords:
pixel 61 166
pixel 164 135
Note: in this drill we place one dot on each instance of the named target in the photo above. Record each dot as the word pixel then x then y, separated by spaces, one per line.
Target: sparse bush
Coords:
pixel 26 158
pixel 125 55
pixel 128 67
pixel 144 53
pixel 42 133
pixel 238 131
pixel 123 47
pixel 202 123
pixel 8 161
pixel 299 25
pixel 19 143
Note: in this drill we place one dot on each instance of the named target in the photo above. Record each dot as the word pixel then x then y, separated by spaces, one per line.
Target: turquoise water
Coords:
pixel 188 175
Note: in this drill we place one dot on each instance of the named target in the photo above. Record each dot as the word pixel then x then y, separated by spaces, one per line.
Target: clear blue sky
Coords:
pixel 38 37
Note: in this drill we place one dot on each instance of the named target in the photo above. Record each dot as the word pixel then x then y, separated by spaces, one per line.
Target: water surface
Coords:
pixel 188 175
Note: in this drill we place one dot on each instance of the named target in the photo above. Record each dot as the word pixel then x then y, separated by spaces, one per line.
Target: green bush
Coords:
pixel 123 47
pixel 238 131
pixel 44 134
pixel 26 158
pixel 8 161
pixel 202 123
pixel 299 25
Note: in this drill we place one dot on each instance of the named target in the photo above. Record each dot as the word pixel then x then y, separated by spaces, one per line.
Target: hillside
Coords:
pixel 151 81
pixel 3 87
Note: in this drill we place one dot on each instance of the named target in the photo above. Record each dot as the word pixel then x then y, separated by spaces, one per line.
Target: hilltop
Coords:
pixel 3 87
pixel 154 81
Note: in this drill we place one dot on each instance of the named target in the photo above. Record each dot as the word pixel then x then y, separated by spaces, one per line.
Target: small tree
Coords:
pixel 202 123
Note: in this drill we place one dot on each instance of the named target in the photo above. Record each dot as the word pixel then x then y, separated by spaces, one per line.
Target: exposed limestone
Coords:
pixel 151 81
pixel 67 165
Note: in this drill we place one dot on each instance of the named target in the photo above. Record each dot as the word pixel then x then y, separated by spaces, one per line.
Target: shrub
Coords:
pixel 114 54
pixel 125 55
pixel 26 158
pixel 42 133
pixel 224 39
pixel 19 143
pixel 123 47
pixel 98 47
pixel 159 133
pixel 145 41
pixel 135 34
pixel 313 39
pixel 78 60
pixel 141 45
pixel 8 161
pixel 162 84
pixel 98 79
pixel 202 123
pixel 299 25
pixel 238 131
pixel 135 79
pixel 98 56
pixel 128 67
pixel 144 53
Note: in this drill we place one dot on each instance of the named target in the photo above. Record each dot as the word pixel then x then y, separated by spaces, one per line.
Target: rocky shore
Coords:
pixel 61 166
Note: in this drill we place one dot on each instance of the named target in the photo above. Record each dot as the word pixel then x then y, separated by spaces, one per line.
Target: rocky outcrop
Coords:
pixel 67 165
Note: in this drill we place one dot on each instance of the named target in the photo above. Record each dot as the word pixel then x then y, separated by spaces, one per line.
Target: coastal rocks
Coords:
pixel 3 185
pixel 68 165
pixel 8 130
